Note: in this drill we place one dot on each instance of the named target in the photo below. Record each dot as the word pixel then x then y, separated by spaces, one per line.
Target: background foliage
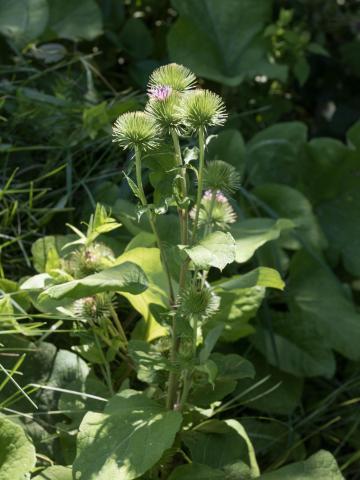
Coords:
pixel 288 72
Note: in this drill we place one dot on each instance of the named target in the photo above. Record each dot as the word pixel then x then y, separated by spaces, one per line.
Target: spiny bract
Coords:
pixel 136 130
pixel 202 108
pixel 176 76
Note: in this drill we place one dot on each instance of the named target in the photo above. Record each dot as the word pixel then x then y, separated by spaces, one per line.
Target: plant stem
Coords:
pixel 189 373
pixel 152 221
pixel 200 183
pixel 173 383
pixel 118 325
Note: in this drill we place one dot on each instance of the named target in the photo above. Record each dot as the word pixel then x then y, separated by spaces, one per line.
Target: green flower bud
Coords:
pixel 136 130
pixel 175 76
pixel 215 210
pixel 200 109
pixel 91 259
pixel 94 309
pixel 202 303
pixel 221 176
pixel 165 110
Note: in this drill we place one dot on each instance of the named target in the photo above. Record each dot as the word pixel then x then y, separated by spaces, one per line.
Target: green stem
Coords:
pixel 173 383
pixel 188 374
pixel 118 325
pixel 152 220
pixel 200 183
pixel 208 230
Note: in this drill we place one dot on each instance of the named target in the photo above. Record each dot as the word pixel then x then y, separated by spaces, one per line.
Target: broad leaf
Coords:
pixel 228 146
pixel 80 21
pixel 222 41
pixel 293 345
pixel 261 276
pixel 252 233
pixel 57 472
pixel 237 307
pixel 321 466
pixel 279 145
pixel 126 277
pixel 319 300
pixel 48 250
pixel 17 454
pixel 155 294
pixel 126 440
pixel 215 250
pixel 197 471
pixel 271 391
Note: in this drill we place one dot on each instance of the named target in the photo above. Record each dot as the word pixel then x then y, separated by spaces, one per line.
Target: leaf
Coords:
pixel 271 391
pixel 75 22
pixel 17 454
pixel 252 233
pixel 207 440
pixel 230 368
pixel 57 472
pixel 49 246
pixel 137 38
pixel 23 20
pixel 237 307
pixel 293 345
pixel 215 250
pixel 254 468
pixel 321 466
pixel 126 277
pixel 279 145
pixel 289 203
pixel 156 293
pixel 318 299
pixel 111 444
pixel 261 276
pixel 222 41
pixel 196 471
pixel 228 146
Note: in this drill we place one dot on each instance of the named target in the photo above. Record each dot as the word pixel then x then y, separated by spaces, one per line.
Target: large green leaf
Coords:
pixel 197 471
pixel 155 294
pixel 261 276
pixel 252 233
pixel 293 345
pixel 228 146
pixel 273 155
pixel 81 20
pixel 271 391
pixel 126 440
pixel 57 472
pixel 289 203
pixel 237 307
pixel 222 41
pixel 17 454
pixel 214 436
pixel 47 250
pixel 126 277
pixel 321 466
pixel 215 250
pixel 321 303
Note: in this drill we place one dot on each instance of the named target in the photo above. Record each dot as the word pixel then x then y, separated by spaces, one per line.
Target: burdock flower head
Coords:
pixel 219 175
pixel 200 303
pixel 174 76
pixel 200 109
pixel 163 106
pixel 136 130
pixel 94 309
pixel 215 210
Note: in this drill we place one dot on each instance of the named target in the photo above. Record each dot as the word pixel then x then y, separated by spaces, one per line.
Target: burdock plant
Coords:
pixel 175 109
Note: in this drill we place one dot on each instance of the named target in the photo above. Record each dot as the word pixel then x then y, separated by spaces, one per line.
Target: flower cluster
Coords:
pixel 174 105
pixel 215 210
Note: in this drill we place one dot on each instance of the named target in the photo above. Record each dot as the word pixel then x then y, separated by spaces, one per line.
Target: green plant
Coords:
pixel 169 385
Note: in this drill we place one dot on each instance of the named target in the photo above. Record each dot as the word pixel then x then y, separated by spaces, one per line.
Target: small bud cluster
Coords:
pixel 89 259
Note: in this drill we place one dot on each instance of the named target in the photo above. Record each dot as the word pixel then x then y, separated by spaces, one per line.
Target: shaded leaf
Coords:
pixel 109 446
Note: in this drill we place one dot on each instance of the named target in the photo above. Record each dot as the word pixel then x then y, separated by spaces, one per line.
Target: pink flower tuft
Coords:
pixel 160 93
